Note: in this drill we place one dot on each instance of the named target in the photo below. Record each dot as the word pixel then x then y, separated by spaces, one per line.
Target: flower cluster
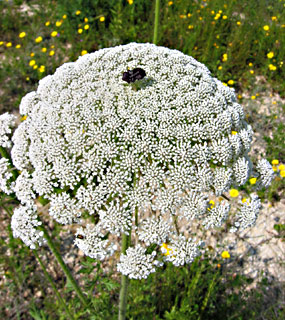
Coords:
pixel 7 122
pixel 142 157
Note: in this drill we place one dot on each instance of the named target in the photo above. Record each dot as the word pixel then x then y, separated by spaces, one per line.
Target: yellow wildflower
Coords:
pixel 58 23
pixel 83 52
pixel 274 18
pixel 78 12
pixel 225 255
pixel 250 64
pixel 282 173
pixel 253 97
pixel 44 50
pixel 170 3
pixel 32 54
pixel 102 19
pixel 38 39
pixel 234 133
pixel 27 78
pixel 281 167
pixel 252 180
pixel 272 67
pixel 47 23
pixel 166 250
pixel 86 20
pixel 251 71
pixel 1 43
pixel 239 96
pixel 243 200
pixel 225 57
pixel 212 12
pixel 35 66
pixel 22 34
pixel 189 15
pixel 32 63
pixel 52 46
pixel 64 16
pixel 217 16
pixel 225 84
pixel 274 168
pixel 234 193
pixel 220 67
pixel 266 27
pixel 80 30
pixel 130 2
pixel 42 69
pixel 270 55
pixel 275 161
pixel 225 17
pixel 86 27
pixel 231 82
pixel 9 44
pixel 51 53
pixel 25 116
pixel 190 27
pixel 18 46
pixel 54 34
pixel 238 23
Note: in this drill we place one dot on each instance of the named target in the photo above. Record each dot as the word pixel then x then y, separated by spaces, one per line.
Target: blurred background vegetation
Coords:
pixel 240 42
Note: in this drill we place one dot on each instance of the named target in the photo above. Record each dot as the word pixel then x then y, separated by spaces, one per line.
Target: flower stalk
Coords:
pixel 124 282
pixel 50 280
pixel 64 267
pixel 156 21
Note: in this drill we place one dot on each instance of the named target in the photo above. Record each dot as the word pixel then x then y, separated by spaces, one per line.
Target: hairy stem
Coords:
pixel 64 267
pixel 156 21
pixel 50 280
pixel 124 283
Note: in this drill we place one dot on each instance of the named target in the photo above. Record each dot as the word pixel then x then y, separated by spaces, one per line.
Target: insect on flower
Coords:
pixel 133 75
pixel 80 236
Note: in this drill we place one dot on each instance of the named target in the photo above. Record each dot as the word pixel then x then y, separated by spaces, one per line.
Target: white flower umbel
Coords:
pixel 266 173
pixel 217 215
pixel 6 184
pixel 7 123
pixel 91 241
pixel 64 209
pixel 116 218
pixel 24 188
pixel 155 150
pixel 181 251
pixel 247 214
pixel 24 223
pixel 136 264
pixel 154 231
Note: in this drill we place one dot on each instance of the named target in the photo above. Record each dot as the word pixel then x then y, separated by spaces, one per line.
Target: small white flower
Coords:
pixel 7 122
pixel 136 264
pixel 6 184
pixel 24 223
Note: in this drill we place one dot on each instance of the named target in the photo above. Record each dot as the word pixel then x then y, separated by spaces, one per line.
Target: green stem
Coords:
pixel 124 283
pixel 156 21
pixel 49 278
pixel 64 267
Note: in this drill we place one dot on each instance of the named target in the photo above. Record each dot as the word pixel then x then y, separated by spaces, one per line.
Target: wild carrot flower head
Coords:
pixel 144 157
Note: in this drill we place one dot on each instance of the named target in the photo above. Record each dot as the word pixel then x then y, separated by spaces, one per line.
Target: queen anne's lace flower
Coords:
pixel 136 264
pixel 7 122
pixel 6 185
pixel 151 151
pixel 217 215
pixel 154 231
pixel 247 214
pixel 24 223
pixel 266 173
pixel 24 188
pixel 182 251
pixel 91 241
